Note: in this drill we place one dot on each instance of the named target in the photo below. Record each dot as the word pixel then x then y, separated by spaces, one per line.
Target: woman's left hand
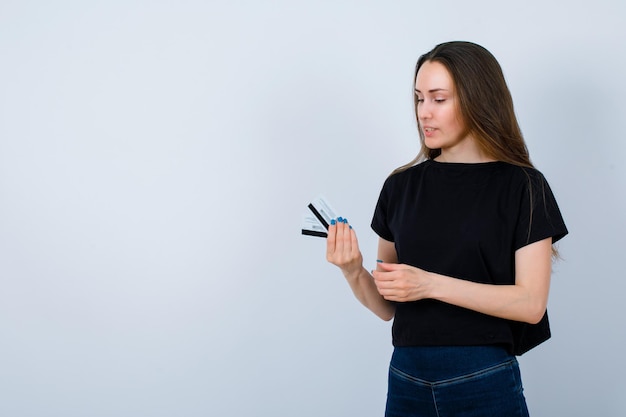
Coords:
pixel 402 283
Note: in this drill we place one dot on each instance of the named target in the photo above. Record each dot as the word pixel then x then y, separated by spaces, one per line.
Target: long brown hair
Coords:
pixel 485 107
pixel 485 103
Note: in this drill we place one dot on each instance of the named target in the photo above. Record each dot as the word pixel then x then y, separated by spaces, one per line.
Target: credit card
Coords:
pixel 316 220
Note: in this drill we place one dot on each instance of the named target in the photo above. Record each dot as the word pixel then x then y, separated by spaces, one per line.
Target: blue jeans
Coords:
pixel 467 381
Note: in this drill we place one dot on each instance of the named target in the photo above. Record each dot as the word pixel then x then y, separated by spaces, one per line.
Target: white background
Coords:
pixel 156 158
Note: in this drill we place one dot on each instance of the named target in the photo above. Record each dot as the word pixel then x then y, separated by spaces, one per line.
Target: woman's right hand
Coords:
pixel 342 247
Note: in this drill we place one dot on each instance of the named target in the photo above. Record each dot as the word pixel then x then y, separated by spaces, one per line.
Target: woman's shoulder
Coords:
pixel 402 177
pixel 524 174
pixel 405 172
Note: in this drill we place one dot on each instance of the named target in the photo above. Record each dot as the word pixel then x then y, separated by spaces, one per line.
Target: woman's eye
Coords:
pixel 434 100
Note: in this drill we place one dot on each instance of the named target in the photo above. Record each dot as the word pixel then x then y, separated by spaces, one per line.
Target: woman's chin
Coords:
pixel 431 143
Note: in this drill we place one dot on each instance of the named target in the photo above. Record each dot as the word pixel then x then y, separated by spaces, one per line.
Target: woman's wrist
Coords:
pixel 353 272
pixel 434 289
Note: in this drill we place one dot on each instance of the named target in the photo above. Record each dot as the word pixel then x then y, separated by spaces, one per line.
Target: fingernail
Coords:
pixel 340 219
pixel 350 227
pixel 333 222
pixel 379 261
pixel 345 221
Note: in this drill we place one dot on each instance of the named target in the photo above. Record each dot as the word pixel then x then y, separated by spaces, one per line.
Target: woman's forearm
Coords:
pixel 525 300
pixel 362 284
pixel 513 302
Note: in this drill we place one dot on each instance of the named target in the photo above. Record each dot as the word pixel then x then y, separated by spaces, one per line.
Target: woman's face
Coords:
pixel 437 110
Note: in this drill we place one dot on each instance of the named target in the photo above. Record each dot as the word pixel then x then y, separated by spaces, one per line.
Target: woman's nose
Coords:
pixel 424 111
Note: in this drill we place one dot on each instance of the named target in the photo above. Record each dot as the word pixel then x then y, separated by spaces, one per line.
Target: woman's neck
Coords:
pixel 471 155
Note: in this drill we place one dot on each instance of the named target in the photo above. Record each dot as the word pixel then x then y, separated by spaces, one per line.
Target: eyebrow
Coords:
pixel 434 90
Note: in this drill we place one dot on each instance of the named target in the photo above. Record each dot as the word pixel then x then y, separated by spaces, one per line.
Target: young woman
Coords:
pixel 466 233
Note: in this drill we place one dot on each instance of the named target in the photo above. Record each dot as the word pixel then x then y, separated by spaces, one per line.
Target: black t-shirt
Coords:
pixel 465 221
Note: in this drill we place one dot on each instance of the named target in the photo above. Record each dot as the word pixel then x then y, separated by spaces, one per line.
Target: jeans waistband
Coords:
pixel 434 363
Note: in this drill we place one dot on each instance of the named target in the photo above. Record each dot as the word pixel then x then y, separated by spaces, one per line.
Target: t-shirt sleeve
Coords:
pixel 380 220
pixel 539 214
